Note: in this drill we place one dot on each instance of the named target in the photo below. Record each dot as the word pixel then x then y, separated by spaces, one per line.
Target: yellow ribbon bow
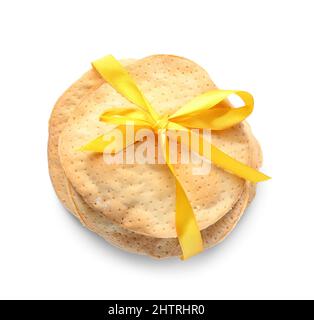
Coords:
pixel 203 112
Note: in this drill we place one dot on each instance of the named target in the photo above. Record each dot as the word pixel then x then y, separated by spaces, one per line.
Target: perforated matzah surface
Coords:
pixel 168 82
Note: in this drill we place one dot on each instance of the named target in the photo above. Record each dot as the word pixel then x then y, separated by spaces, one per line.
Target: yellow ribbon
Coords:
pixel 205 112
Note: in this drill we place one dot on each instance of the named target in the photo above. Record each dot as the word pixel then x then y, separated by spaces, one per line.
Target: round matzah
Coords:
pixel 117 235
pixel 142 197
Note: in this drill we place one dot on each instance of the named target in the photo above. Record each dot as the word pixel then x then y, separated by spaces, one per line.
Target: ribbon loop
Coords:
pixel 206 111
pixel 124 116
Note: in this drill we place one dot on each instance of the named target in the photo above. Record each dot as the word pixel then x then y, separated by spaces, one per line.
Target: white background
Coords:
pixel 264 47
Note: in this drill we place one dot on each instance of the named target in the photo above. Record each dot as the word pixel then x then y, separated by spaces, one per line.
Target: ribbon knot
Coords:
pixel 161 123
pixel 203 112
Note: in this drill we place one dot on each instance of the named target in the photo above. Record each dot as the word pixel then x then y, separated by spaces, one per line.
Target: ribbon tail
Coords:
pixel 188 232
pixel 97 145
pixel 236 167
pixel 118 77
pixel 108 142
pixel 224 161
